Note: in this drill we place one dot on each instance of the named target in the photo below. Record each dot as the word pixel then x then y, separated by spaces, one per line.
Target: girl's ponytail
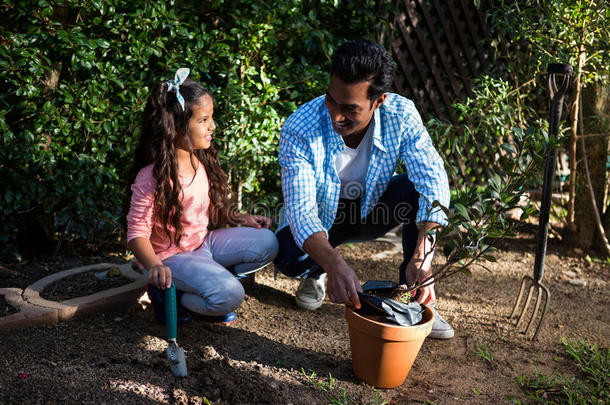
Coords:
pixel 167 208
pixel 163 119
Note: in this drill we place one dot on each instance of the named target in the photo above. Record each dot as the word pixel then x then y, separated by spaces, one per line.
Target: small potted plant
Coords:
pixel 383 351
pixel 386 333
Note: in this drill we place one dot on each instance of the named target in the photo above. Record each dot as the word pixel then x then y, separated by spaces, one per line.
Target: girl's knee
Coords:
pixel 230 299
pixel 262 246
pixel 213 294
pixel 269 245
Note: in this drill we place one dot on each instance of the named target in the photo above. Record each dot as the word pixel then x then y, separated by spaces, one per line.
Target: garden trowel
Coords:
pixel 175 354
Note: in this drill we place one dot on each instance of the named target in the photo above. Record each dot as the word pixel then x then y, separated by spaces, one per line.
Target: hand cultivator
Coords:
pixel 560 77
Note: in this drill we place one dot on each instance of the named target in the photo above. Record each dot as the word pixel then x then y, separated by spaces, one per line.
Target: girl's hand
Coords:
pixel 160 276
pixel 255 221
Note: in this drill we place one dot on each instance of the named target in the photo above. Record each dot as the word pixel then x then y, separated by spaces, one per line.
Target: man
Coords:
pixel 338 154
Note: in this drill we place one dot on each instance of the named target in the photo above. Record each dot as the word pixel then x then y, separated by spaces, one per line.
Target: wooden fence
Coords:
pixel 439 47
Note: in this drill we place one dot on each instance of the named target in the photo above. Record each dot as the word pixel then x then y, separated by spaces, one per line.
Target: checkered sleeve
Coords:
pixel 425 168
pixel 298 187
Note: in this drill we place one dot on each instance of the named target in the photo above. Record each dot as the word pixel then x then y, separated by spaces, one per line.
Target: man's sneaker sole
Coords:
pixel 441 334
pixel 311 306
pixel 443 329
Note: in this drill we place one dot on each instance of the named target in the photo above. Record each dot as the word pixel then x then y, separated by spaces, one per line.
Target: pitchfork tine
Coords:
pixel 546 303
pixel 536 307
pixel 527 303
pixel 521 291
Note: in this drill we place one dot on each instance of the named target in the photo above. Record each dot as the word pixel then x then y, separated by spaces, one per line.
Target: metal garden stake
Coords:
pixel 560 78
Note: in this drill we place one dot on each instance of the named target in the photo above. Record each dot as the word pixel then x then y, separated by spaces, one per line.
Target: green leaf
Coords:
pixel 462 210
pixel 508 147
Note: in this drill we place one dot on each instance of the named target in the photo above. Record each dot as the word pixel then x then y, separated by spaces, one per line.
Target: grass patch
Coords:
pixel 590 386
pixel 485 353
pixel 337 396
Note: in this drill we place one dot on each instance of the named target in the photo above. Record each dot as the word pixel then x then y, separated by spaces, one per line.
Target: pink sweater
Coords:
pixel 195 218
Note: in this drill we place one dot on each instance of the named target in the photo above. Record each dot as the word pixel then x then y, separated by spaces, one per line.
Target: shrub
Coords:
pixel 76 76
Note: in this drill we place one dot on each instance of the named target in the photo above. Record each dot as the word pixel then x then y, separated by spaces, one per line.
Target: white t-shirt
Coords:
pixel 352 165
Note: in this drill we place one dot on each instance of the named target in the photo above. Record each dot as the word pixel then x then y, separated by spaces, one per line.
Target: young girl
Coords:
pixel 177 190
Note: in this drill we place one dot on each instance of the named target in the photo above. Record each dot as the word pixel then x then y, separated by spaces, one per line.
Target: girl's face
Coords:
pixel 202 124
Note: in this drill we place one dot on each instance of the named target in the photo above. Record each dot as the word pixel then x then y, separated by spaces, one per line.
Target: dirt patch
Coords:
pixel 24 273
pixel 83 284
pixel 118 356
pixel 5 308
pixel 371 247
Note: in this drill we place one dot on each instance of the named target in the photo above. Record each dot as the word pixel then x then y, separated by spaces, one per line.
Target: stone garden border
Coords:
pixel 35 310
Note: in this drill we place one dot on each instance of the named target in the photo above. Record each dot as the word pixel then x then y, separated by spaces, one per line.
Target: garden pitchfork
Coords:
pixel 560 78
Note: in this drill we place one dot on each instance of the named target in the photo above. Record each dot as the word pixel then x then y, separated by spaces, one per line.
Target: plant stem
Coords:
pixel 444 271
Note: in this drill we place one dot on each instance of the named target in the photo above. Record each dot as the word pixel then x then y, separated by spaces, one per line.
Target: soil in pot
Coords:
pixel 83 284
pixel 390 303
pixel 5 308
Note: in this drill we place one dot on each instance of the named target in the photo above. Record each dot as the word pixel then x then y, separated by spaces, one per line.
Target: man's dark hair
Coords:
pixel 364 60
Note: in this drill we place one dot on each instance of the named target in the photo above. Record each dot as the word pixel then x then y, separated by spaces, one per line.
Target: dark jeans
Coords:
pixel 398 205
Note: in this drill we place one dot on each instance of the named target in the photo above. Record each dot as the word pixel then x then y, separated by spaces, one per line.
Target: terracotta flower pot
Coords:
pixel 382 354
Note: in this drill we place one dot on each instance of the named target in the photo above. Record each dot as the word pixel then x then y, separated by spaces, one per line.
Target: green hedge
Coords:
pixel 75 77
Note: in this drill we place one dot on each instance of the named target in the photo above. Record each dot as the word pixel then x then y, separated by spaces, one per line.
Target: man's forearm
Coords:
pixel 419 267
pixel 425 246
pixel 319 249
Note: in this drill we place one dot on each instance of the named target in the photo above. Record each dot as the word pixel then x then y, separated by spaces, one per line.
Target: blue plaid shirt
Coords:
pixel 310 184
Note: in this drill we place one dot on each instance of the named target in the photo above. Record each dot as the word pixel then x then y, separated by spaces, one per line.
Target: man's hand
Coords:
pixel 419 267
pixel 160 276
pixel 343 286
pixel 426 295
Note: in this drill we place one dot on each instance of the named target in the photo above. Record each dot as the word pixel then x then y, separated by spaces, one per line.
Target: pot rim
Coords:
pixel 388 331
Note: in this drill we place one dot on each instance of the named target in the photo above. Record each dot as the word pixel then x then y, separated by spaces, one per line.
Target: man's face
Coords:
pixel 349 107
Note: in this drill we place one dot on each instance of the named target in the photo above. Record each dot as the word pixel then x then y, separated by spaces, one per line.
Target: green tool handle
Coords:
pixel 171 312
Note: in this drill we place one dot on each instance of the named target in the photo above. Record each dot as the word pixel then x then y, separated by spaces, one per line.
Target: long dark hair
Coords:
pixel 163 122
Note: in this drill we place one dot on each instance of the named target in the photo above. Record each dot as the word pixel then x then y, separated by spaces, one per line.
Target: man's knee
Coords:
pixel 402 188
pixel 402 199
pixel 290 260
pixel 290 265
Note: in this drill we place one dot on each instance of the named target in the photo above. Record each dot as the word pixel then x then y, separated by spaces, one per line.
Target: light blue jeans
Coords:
pixel 207 275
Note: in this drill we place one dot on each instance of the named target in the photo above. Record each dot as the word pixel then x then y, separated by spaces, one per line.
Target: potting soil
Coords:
pixel 376 303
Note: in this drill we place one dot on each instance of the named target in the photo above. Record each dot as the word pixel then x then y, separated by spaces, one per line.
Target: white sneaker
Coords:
pixel 311 292
pixel 440 327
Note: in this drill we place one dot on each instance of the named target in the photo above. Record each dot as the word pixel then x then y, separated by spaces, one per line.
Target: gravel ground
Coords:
pixel 280 354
